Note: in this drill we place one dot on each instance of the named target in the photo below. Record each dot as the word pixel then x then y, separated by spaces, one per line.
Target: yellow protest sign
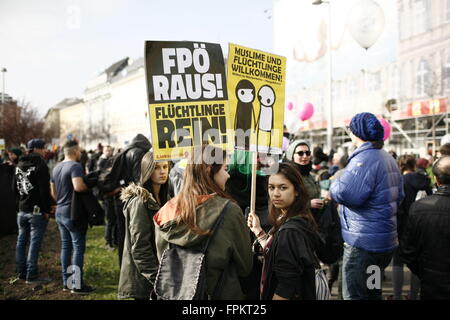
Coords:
pixel 187 96
pixel 256 85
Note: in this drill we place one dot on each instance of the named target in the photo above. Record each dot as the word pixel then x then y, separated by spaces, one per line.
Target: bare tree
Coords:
pixel 20 122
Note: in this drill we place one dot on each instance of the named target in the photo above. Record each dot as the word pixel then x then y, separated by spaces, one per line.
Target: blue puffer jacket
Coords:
pixel 369 191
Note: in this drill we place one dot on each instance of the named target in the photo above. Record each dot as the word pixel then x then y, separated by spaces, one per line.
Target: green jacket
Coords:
pixel 229 250
pixel 312 186
pixel 139 260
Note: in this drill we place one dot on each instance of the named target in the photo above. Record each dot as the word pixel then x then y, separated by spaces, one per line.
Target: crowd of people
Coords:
pixel 390 210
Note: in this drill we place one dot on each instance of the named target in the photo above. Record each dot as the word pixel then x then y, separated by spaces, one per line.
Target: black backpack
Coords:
pixel 112 175
pixel 329 225
pixel 182 271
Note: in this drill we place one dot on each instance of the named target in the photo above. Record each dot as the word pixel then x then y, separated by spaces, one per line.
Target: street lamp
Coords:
pixel 330 78
pixel 3 92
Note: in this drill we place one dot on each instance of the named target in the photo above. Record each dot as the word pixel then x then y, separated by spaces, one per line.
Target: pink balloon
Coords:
pixel 387 128
pixel 290 106
pixel 307 111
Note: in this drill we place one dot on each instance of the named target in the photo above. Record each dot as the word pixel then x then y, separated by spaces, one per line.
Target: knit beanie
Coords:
pixel 16 151
pixel 291 149
pixel 367 127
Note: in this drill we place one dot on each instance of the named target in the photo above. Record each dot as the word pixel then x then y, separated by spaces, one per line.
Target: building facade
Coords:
pixel 411 92
pixel 113 108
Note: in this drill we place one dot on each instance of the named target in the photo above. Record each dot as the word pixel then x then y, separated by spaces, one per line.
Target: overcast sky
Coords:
pixel 52 48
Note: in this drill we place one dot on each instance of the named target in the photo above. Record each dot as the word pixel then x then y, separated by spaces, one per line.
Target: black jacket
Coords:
pixel 291 263
pixel 32 180
pixel 84 208
pixel 134 153
pixel 425 246
pixel 412 183
pixel 8 200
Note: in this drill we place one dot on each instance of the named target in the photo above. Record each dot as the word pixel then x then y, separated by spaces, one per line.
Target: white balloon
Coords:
pixel 445 139
pixel 366 22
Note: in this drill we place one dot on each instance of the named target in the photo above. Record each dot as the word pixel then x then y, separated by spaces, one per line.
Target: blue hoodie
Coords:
pixel 369 191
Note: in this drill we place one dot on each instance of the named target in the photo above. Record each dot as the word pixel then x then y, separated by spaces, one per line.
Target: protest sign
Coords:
pixel 2 144
pixel 256 84
pixel 187 96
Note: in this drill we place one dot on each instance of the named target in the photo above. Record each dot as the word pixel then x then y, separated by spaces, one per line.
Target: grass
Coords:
pixel 101 266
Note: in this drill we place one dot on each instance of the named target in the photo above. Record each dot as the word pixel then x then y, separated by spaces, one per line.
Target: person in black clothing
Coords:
pixel 413 182
pixel 33 186
pixel 239 187
pixel 134 152
pixel 104 162
pixel 424 246
pixel 289 247
pixel 94 158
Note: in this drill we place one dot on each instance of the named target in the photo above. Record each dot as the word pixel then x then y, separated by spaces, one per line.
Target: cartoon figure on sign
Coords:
pixel 245 93
pixel 266 97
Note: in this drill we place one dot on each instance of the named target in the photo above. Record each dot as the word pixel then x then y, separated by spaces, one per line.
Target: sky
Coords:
pixel 52 48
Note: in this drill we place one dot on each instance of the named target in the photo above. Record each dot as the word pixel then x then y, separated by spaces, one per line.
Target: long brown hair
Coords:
pixel 406 163
pixel 204 162
pixel 301 205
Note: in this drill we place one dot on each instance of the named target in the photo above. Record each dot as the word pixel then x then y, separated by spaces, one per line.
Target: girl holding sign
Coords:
pixel 289 247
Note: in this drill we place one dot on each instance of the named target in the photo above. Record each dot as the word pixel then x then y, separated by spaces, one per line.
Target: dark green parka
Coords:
pixel 139 260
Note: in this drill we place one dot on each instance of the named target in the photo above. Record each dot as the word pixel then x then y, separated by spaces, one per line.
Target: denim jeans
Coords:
pixel 31 230
pixel 73 245
pixel 356 284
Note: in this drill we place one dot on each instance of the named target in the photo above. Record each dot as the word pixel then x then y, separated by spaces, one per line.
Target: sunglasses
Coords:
pixel 302 153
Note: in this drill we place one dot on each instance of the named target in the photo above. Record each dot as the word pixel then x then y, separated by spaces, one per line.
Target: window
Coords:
pixel 336 89
pixel 422 78
pixel 373 82
pixel 352 88
pixel 447 72
pixel 448 10
pixel 395 83
pixel 419 14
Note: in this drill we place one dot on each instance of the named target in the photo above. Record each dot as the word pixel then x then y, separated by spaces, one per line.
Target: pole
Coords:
pixel 330 86
pixel 3 91
pixel 253 188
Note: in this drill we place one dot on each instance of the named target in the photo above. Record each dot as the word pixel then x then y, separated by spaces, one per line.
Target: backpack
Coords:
pixel 329 225
pixel 112 175
pixel 182 271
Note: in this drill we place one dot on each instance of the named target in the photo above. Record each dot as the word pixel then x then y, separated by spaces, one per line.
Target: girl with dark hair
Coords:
pixel 187 219
pixel 289 247
pixel 141 202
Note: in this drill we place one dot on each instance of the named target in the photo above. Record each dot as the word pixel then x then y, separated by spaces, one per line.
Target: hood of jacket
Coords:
pixel 208 210
pixel 31 159
pixel 141 142
pixel 298 222
pixel 133 190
